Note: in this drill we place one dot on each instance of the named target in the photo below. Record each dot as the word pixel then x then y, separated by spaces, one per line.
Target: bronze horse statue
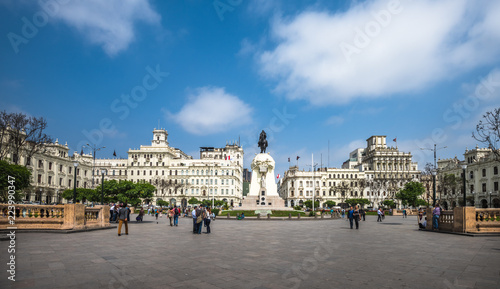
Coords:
pixel 262 142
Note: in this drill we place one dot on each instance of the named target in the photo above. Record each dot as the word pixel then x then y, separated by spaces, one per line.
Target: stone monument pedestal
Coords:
pixel 263 193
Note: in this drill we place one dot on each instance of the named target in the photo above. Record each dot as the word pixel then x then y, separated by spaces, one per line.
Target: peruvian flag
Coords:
pixel 278 176
pixel 395 140
pixel 228 158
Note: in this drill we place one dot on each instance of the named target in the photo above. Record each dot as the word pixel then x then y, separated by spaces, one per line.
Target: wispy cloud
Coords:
pixel 110 23
pixel 392 51
pixel 212 110
pixel 335 120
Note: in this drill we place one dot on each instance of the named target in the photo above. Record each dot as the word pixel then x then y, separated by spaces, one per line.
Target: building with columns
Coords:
pixel 376 173
pixel 53 171
pixel 217 174
pixel 482 179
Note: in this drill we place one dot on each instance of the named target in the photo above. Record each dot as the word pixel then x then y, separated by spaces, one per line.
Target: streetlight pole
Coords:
pixel 314 189
pixel 94 149
pixel 103 171
pixel 74 182
pixel 434 172
pixel 464 167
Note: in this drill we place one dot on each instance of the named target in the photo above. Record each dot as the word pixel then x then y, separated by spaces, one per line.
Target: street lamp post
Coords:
pixel 103 172
pixel 464 167
pixel 434 187
pixel 74 183
pixel 94 149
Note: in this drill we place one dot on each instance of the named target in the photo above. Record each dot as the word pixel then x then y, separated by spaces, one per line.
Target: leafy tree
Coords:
pixel 488 131
pixel 389 203
pixel 357 201
pixel 329 203
pixel 21 180
pixel 162 203
pixel 421 203
pixel 410 193
pixel 308 204
pixel 193 201
pixel 82 195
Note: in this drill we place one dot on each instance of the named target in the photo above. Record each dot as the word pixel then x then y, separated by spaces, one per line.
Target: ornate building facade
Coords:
pixel 482 179
pixel 217 174
pixel 376 173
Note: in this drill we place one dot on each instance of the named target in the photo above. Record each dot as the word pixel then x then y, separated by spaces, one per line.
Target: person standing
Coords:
pixel 122 218
pixel 350 216
pixel 200 216
pixel 128 213
pixel 156 214
pixel 193 214
pixel 379 213
pixel 362 214
pixel 170 214
pixel 436 213
pixel 208 220
pixel 343 213
pixel 141 214
pixel 111 211
pixel 177 213
pixel 404 213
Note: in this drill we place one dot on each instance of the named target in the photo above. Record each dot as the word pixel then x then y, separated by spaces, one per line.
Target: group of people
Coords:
pixel 114 212
pixel 202 217
pixel 123 216
pixel 354 215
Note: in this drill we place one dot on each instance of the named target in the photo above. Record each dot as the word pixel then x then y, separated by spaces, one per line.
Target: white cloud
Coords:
pixel 335 58
pixel 212 110
pixel 107 23
pixel 335 120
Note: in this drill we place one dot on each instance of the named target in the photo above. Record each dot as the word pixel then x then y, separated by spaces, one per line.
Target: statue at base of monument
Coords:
pixel 262 142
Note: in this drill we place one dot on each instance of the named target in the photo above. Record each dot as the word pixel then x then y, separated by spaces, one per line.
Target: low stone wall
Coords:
pixel 57 217
pixel 467 220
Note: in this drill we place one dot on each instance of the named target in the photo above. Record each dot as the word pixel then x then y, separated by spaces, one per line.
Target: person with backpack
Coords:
pixel 177 213
pixel 170 214
pixel 436 213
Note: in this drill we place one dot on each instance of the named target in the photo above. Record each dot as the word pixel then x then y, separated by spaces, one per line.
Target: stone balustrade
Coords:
pixel 467 220
pixel 58 217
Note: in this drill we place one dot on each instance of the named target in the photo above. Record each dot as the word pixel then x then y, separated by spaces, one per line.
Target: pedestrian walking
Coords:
pixel 356 217
pixel 177 213
pixel 436 213
pixel 343 213
pixel 122 218
pixel 362 213
pixel 379 213
pixel 350 216
pixel 170 214
pixel 156 214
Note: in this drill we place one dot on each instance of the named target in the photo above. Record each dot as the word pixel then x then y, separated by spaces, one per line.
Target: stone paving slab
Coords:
pixel 270 254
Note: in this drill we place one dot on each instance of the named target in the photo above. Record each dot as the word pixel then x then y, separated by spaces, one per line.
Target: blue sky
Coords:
pixel 308 72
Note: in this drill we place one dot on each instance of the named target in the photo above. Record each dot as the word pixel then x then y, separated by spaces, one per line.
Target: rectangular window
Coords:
pixel 495 170
pixel 50 166
pixel 495 186
pixel 484 187
pixel 40 163
pixel 39 179
pixel 50 180
pixel 484 173
pixel 69 183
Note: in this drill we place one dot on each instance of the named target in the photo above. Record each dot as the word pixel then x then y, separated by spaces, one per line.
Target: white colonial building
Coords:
pixel 482 178
pixel 53 171
pixel 217 174
pixel 376 173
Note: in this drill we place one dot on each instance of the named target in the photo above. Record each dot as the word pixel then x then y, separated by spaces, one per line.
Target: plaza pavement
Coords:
pixel 256 254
